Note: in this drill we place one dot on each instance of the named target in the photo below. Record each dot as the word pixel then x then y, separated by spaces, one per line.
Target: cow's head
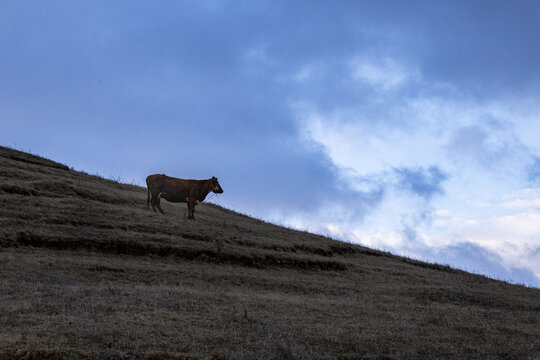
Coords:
pixel 215 187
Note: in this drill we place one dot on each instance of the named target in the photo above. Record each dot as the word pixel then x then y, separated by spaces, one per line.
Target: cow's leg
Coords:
pixel 158 202
pixel 159 206
pixel 191 209
pixel 153 198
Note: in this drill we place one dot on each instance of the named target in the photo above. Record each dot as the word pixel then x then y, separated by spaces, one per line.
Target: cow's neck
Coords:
pixel 206 191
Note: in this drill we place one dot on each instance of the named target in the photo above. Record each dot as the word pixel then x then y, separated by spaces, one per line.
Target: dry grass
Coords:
pixel 87 272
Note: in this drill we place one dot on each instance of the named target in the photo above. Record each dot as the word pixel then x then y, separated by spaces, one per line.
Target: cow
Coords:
pixel 173 189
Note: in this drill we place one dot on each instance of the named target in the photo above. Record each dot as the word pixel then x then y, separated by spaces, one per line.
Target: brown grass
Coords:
pixel 86 272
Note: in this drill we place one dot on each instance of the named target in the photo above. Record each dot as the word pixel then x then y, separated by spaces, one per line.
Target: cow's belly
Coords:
pixel 174 197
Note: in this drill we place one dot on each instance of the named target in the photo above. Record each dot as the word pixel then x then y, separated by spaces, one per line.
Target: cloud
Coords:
pixel 523 201
pixel 476 259
pixel 308 72
pixel 469 141
pixel 514 239
pixel 258 56
pixel 533 171
pixel 332 212
pixel 505 247
pixel 383 74
pixel 423 182
pixel 443 161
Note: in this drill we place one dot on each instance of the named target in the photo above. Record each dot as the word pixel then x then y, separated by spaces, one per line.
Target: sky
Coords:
pixel 406 126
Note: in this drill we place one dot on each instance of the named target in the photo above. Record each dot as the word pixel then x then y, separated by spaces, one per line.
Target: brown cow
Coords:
pixel 172 189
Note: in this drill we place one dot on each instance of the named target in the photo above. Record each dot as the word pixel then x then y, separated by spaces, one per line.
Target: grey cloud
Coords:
pixel 471 257
pixel 533 171
pixel 423 182
pixel 474 142
pixel 469 141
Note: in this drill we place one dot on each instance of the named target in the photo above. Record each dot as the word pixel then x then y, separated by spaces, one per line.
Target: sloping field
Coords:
pixel 86 271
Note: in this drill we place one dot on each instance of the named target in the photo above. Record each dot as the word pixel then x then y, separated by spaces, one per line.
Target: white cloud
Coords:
pixel 514 238
pixel 484 147
pixel 257 59
pixel 525 115
pixel 307 73
pixel 524 200
pixel 258 53
pixel 378 239
pixel 383 74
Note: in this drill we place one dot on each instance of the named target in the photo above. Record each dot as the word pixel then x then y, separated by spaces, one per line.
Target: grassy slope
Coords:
pixel 87 272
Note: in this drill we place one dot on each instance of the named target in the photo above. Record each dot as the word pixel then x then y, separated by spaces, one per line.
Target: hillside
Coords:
pixel 86 271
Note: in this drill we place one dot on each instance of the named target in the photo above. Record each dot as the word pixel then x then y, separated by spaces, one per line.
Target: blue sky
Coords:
pixel 408 126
